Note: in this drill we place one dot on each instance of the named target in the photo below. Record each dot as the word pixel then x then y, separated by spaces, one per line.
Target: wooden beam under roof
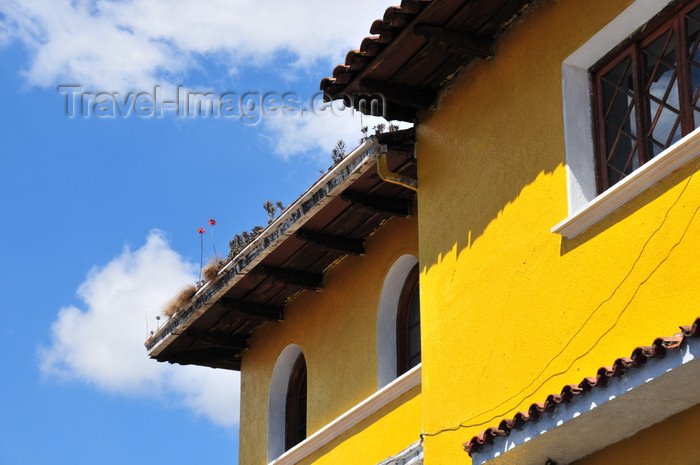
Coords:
pixel 225 341
pixel 261 311
pixel 394 207
pixel 207 357
pixel 402 141
pixel 457 41
pixel 395 112
pixel 374 104
pixel 342 244
pixel 311 281
pixel 412 97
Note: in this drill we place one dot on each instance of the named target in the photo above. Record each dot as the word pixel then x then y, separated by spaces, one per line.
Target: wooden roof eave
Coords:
pixel 331 185
pixel 445 35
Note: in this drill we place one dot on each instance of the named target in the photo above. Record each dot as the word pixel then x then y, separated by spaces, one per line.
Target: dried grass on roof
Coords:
pixel 180 301
pixel 210 271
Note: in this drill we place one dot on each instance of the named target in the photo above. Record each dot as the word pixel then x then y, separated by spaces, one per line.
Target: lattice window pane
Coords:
pixel 692 21
pixel 619 115
pixel 661 93
pixel 647 94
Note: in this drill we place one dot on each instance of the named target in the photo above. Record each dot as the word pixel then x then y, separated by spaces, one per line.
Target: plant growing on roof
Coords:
pixel 236 245
pixel 211 270
pixel 365 134
pixel 271 209
pixel 180 301
pixel 338 152
pixel 240 241
pixel 378 129
pixel 337 155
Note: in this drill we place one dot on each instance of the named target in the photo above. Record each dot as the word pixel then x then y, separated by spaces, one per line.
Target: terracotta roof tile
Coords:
pixel 370 47
pixel 356 59
pixel 384 30
pixel 415 49
pixel 639 357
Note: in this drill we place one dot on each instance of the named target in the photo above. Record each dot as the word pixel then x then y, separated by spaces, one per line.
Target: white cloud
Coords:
pixel 102 344
pixel 132 45
pixel 318 133
pixel 293 135
pixel 111 45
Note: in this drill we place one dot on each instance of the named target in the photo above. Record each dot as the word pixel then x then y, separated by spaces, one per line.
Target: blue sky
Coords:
pixel 100 215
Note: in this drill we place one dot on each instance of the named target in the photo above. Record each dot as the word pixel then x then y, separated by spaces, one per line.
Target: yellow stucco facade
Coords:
pixel 510 311
pixel 337 332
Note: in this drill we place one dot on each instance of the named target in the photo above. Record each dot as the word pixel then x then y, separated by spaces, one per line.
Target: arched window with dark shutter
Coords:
pixel 295 411
pixel 408 349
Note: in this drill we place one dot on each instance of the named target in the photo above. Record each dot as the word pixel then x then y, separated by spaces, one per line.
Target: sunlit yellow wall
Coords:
pixel 673 441
pixel 382 435
pixel 510 311
pixel 337 332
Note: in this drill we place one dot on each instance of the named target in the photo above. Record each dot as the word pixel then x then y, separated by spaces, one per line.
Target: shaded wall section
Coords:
pixel 672 441
pixel 337 331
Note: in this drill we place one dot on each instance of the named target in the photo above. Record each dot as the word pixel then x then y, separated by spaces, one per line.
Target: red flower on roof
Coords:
pixel 201 230
pixel 212 221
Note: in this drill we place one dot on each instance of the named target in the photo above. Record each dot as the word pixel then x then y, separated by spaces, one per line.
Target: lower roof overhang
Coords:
pixel 332 219
pixel 636 392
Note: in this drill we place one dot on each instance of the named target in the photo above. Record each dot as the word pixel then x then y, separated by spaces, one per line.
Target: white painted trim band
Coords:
pixel 652 172
pixel 277 400
pixel 386 318
pixel 412 455
pixel 352 417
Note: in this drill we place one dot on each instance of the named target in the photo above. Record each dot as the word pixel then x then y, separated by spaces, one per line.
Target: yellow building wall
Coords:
pixel 337 332
pixel 384 434
pixel 673 441
pixel 511 311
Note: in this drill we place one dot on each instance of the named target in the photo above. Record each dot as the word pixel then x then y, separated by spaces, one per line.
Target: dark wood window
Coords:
pixel 295 411
pixel 645 96
pixel 408 351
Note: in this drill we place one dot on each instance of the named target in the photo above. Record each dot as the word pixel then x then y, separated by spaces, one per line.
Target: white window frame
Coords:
pixel 586 207
pixel 277 401
pixel 386 318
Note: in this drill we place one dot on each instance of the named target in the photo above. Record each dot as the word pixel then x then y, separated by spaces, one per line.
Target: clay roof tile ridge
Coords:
pixel 640 355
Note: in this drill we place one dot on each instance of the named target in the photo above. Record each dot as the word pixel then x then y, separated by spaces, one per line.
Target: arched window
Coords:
pixel 402 271
pixel 295 411
pixel 286 409
pixel 408 350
